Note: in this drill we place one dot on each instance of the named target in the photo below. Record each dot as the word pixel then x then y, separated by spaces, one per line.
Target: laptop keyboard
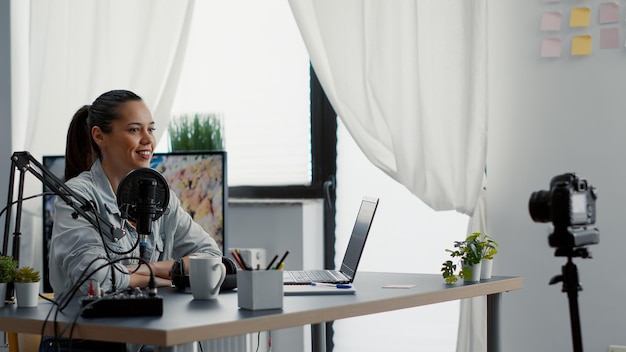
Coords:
pixel 306 276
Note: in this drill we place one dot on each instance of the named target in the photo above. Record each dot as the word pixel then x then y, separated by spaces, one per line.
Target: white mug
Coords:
pixel 206 274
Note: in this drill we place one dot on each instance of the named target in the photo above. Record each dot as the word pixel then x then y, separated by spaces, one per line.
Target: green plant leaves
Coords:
pixel 197 132
pixel 471 251
pixel 447 271
pixel 8 266
pixel 26 274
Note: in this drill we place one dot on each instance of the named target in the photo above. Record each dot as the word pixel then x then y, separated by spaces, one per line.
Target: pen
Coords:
pixel 331 285
pixel 281 260
pixel 245 265
pixel 236 257
pixel 239 261
pixel 269 266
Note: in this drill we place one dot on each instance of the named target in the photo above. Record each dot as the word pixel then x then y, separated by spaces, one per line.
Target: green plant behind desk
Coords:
pixel 196 132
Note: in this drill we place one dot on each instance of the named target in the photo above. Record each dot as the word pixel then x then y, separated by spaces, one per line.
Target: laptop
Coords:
pixel 351 258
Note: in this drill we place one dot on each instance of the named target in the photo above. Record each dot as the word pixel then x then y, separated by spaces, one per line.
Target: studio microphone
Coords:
pixel 142 197
pixel 146 211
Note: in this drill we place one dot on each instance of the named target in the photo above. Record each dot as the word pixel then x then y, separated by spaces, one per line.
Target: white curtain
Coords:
pixel 408 78
pixel 472 334
pixel 79 49
pixel 67 52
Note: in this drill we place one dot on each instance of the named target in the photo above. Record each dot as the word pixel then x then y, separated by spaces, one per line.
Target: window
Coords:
pixel 247 63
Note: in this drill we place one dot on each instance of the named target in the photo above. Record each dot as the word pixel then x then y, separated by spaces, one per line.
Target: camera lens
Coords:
pixel 539 206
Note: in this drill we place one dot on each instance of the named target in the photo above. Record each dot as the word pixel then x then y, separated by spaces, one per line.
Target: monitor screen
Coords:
pixel 197 178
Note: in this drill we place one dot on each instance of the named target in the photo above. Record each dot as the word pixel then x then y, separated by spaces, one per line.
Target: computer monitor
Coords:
pixel 197 178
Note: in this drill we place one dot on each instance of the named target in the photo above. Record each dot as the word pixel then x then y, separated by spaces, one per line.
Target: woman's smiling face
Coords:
pixel 130 143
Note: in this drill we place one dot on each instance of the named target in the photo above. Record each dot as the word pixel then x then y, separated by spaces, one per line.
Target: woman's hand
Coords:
pixel 140 275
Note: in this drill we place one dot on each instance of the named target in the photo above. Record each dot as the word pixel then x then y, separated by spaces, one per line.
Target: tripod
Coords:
pixel 569 277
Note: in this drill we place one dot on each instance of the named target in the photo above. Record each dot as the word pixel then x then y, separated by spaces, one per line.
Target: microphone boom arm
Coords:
pixel 25 162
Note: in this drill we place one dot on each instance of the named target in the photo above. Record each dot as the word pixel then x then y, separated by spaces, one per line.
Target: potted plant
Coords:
pixel 197 132
pixel 490 248
pixel 8 266
pixel 468 255
pixel 27 286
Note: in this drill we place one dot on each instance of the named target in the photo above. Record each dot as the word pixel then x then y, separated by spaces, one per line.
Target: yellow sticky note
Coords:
pixel 580 17
pixel 581 45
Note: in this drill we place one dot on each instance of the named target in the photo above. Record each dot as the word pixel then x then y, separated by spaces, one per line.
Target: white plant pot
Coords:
pixel 27 294
pixel 3 293
pixel 476 268
pixel 485 270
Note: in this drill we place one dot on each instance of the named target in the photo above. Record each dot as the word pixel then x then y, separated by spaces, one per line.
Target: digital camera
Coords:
pixel 571 201
pixel 570 204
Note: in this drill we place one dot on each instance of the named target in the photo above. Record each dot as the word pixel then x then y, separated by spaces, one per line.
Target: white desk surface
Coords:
pixel 186 320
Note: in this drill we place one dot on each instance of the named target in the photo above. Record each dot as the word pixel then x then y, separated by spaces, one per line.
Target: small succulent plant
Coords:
pixel 26 274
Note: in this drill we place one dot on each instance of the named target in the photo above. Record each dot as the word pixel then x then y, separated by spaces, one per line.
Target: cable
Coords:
pixel 64 300
pixel 59 305
pixel 27 198
pixel 328 186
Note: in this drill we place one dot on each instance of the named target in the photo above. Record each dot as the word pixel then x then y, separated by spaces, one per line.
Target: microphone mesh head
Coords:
pixel 143 190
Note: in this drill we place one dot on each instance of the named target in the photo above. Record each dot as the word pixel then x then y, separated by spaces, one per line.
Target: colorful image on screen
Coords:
pixel 198 181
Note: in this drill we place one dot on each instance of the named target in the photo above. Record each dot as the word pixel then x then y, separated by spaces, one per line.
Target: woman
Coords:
pixel 105 141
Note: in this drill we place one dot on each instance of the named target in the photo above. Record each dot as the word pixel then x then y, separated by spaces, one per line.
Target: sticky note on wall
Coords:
pixel 581 45
pixel 580 17
pixel 609 12
pixel 551 21
pixel 609 38
pixel 551 47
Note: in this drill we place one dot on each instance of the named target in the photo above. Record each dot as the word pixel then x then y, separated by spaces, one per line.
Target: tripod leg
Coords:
pixel 572 286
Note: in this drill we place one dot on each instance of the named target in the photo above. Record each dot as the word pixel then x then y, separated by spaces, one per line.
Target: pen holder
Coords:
pixel 260 289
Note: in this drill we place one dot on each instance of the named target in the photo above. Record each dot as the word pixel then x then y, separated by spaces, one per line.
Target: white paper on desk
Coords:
pixel 308 290
pixel 398 286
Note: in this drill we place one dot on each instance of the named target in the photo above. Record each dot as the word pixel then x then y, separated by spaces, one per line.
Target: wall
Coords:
pixel 547 117
pixel 5 97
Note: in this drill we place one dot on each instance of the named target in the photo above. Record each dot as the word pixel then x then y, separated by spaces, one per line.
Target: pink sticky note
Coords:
pixel 551 21
pixel 609 12
pixel 551 47
pixel 609 38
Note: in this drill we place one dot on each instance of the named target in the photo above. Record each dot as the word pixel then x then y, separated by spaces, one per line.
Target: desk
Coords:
pixel 186 320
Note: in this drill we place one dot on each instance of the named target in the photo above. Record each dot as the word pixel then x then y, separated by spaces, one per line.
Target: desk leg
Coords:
pixel 318 337
pixel 493 322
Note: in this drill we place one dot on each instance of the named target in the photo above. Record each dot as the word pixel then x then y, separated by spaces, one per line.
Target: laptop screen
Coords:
pixel 359 236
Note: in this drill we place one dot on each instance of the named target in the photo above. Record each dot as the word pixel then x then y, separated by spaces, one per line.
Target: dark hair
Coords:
pixel 80 149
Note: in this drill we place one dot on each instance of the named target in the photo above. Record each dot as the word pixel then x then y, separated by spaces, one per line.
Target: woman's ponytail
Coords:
pixel 79 152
